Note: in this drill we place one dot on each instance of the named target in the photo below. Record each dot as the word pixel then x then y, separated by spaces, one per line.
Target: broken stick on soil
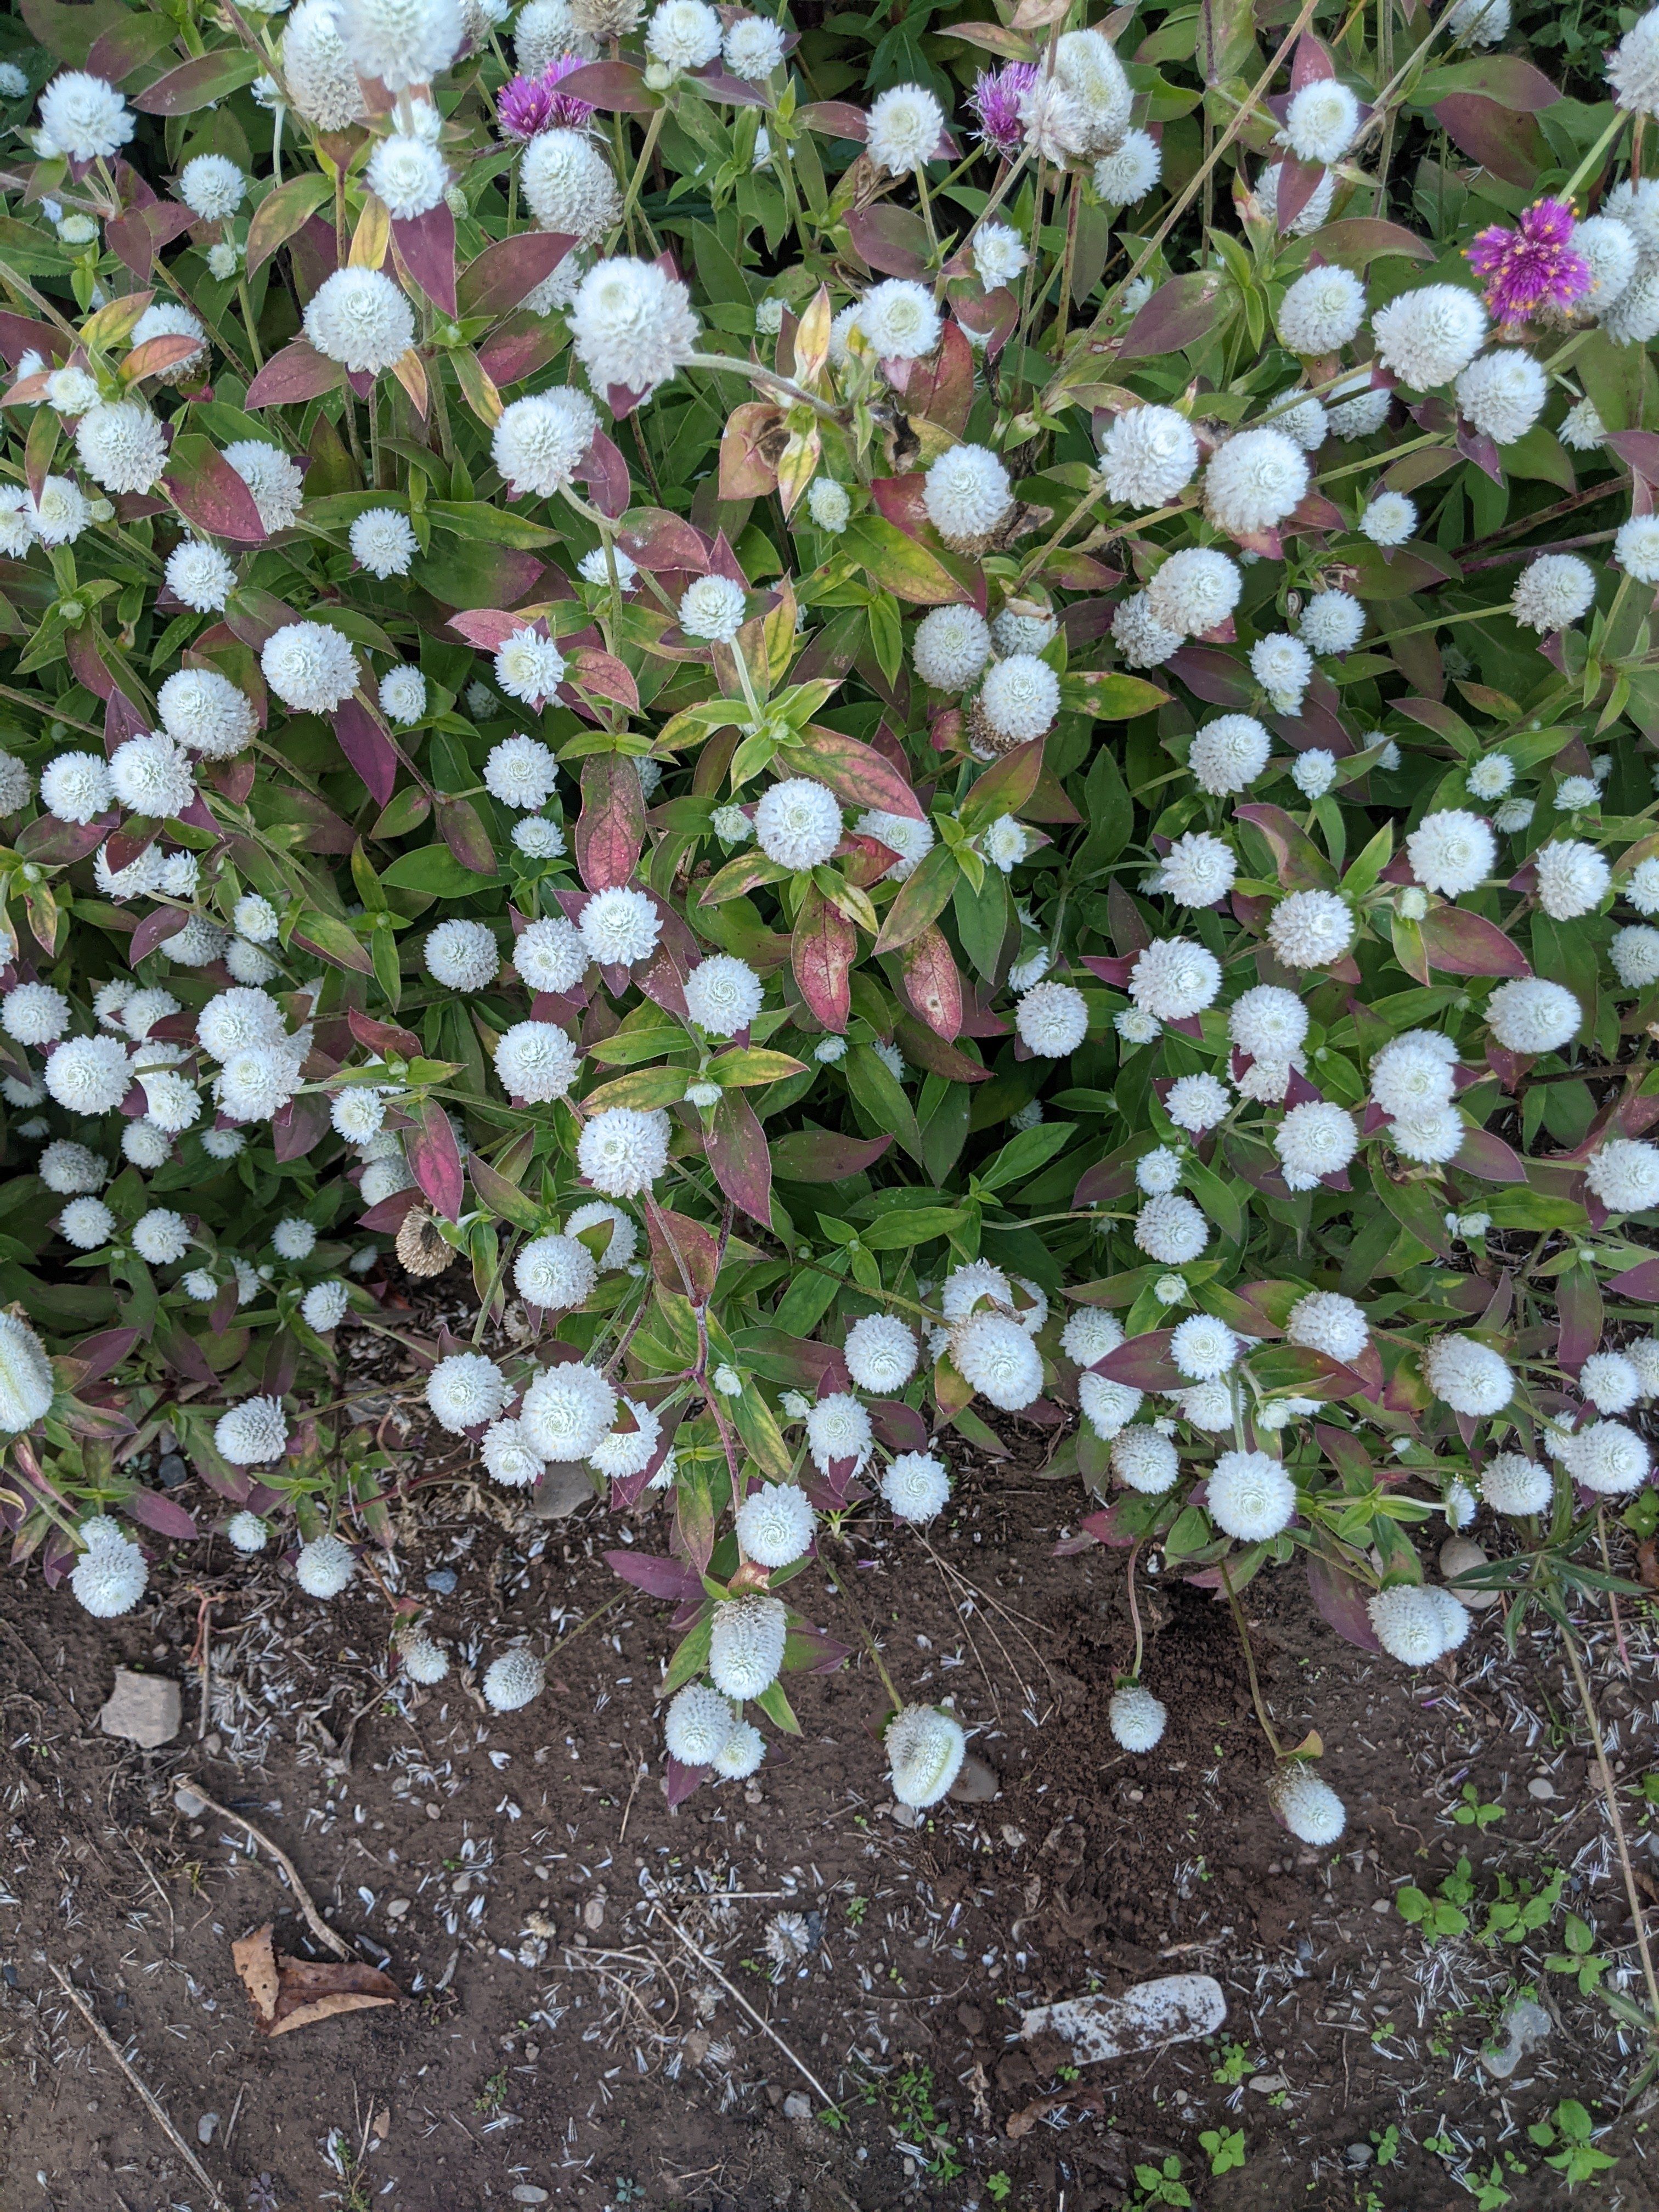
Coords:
pixel 135 2083
pixel 731 1990
pixel 313 1919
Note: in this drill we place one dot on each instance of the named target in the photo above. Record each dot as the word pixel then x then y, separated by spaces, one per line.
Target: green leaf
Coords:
pixel 1023 1154
pixel 434 870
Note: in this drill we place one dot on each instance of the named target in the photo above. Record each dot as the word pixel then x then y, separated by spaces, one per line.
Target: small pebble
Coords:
pixel 171 1471
pixel 1359 2153
pixel 798 2105
pixel 527 2193
pixel 1541 1786
pixel 207 2127
pixel 443 1580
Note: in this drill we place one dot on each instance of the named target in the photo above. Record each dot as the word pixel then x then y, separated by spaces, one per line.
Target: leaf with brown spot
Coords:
pixel 289 1993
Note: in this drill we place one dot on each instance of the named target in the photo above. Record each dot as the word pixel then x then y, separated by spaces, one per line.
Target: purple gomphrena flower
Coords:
pixel 996 99
pixel 530 105
pixel 1533 265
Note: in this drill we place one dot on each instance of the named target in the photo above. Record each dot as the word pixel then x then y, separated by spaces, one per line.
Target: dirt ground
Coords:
pixel 781 1995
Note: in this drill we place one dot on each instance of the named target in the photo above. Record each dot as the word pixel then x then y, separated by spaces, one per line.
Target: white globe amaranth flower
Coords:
pixel 1642 887
pixel 401 42
pixel 1635 957
pixel 550 955
pixel 1610 251
pixel 61 512
pixel 1452 851
pixel 1469 1376
pixel 594 569
pixel 684 34
pixel 383 542
pixel 1573 878
pixel 464 1391
pixel 324 1306
pixel 1198 870
pixel 1313 1140
pixel 310 666
pixel 698 1725
pixel 1310 929
pixel 1254 481
pixel 537 1062
pixel 407 176
pixel 1157 1171
pixel 462 955
pixel 1389 520
pixel 745 1644
pixel 160 1236
pixel 951 645
pixel 166 318
pixel 911 840
pixel 1174 978
pixel 568 1411
pixel 1624 1174
pixel 521 772
pixel 294 1239
pixel 881 1353
pixel 916 1486
pixel 1313 771
pixel 1171 1230
pixel 1433 1137
pixel 624 1150
pixel 212 187
pixel 797 822
pixel 246 1532
pixel 999 254
pixel 906 124
pixel 1128 173
pixel 509 1457
pixel 1633 70
pixel 200 576
pixel 753 48
pixel 1203 1348
pixel 1552 590
pixel 252 1432
pixel 1137 1719
pixel 631 324
pixel 965 1288
pixel 1414 1073
pixel 204 712
pixel 1321 122
pixel 713 607
pixel 68 1168
pixel 1502 394
pixel 557 1272
pixel 424 1660
pixel 1309 1806
pixel 151 775
pixel 1019 698
pixel 1229 754
pixel 925 1746
pixel 1143 641
pixel 27 1382
pixel 121 446
pixel 1089 1335
pixel 595 1214
pixel 1322 311
pixel 538 839
pixel 1491 777
pixel 1250 1496
pixel 1331 622
pixel 723 994
pixel 1196 1103
pixel 619 926
pixel 1109 1407
pixel 1358 408
pixel 84 117
pixel 775 1524
pixel 1512 1483
pixel 1325 1320
pixel 1268 1023
pixel 1051 1019
pixel 33 1013
pixel 514 1680
pixel 1283 666
pixel 89 1075
pixel 1302 418
pixel 899 320
pixel 275 481
pixel 1531 1015
pixel 1430 336
pixel 540 441
pixel 360 317
pixel 626 1452
pixel 967 495
pixel 838 1429
pixel 828 504
pixel 1582 428
pixel 1610 1382
pixel 110 1577
pixel 529 667
pixel 1196 590
pixel 1635 548
pixel 995 1357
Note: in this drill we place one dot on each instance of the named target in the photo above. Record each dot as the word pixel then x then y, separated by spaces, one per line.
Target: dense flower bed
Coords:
pixel 888 758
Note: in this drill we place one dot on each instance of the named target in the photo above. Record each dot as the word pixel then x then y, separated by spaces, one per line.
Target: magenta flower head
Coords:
pixel 1533 265
pixel 530 105
pixel 996 99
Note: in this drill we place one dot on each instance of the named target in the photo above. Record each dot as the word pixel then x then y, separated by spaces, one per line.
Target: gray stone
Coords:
pixel 206 2127
pixel 443 1581
pixel 565 1484
pixel 145 1709
pixel 976 1784
pixel 172 1472
pixel 798 2105
pixel 527 2193
pixel 190 1803
pixel 1359 2153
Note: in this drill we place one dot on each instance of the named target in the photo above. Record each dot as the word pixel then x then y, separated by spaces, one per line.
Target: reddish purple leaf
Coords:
pixel 209 493
pixel 1483 1153
pixel 461 827
pixel 1297 183
pixel 933 983
pixel 299 372
pixel 51 843
pixel 1144 1363
pixel 653 538
pixel 1639 451
pixel 891 239
pixel 832 118
pixel 384 1038
pixel 822 950
pixel 603 676
pixel 1511 145
pixel 611 829
pixel 99 1354
pixel 666 1578
pixel 435 1160
pixel 1579 1306
pixel 387 1219
pixel 154 929
pixel 367 744
pixel 427 245
pixel 941 387
pixel 680 1782
pixel 857 774
pixel 616 86
pixel 1640 1283
pixel 1214 676
pixel 821 1156
pixel 1462 944
pixel 1178 315
pixel 300 1126
pixel 163 1514
pixel 738 1154
pixel 487 628
pixel 502 276
pixel 196 84
pixel 1339 1601
pixel 518 349
pixel 605 474
pixel 735 89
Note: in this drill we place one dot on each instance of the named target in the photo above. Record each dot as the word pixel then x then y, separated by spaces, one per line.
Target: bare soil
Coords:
pixel 781 1995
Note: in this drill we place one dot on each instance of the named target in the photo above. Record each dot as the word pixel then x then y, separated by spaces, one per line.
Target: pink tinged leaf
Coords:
pixel 298 373
pixel 833 119
pixel 1297 183
pixel 1640 1283
pixel 387 1219
pixel 1477 446
pixel 196 84
pixel 100 1354
pixel 1213 676
pixel 604 677
pixel 605 474
pixel 899 1426
pixel 616 85
pixel 932 982
pixel 1462 944
pixel 1312 63
pixel 1483 1153
pixel 50 843
pixel 153 930
pixel 165 1515
pixel 900 500
pixel 427 246
pixel 487 628
pixel 300 1128
pixel 820 1156
pixel 611 829
pixel 822 951
pixel 653 538
pixel 1578 1303
pixel 1178 315
pixel 502 276
pixel 681 1781
pixel 461 827
pixel 518 350
pixel 1509 144
pixel 1639 451
pixel 738 1154
pixel 138 235
pixel 367 744
pixel 857 774
pixel 889 239
pixel 665 1578
pixel 208 492
pixel 1144 1363
pixel 1340 1601
pixel 435 1158
pixel 735 89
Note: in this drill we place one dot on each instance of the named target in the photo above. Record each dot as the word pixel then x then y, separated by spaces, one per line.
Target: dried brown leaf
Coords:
pixel 289 1993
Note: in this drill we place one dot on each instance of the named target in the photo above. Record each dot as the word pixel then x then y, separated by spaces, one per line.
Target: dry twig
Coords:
pixel 313 1919
pixel 737 1995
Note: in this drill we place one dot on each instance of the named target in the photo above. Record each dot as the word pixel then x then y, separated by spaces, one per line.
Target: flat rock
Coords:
pixel 1173 2008
pixel 976 1784
pixel 145 1709
pixel 565 1485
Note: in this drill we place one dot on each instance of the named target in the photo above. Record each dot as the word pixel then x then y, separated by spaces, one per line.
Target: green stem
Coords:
pixel 1592 159
pixel 766 379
